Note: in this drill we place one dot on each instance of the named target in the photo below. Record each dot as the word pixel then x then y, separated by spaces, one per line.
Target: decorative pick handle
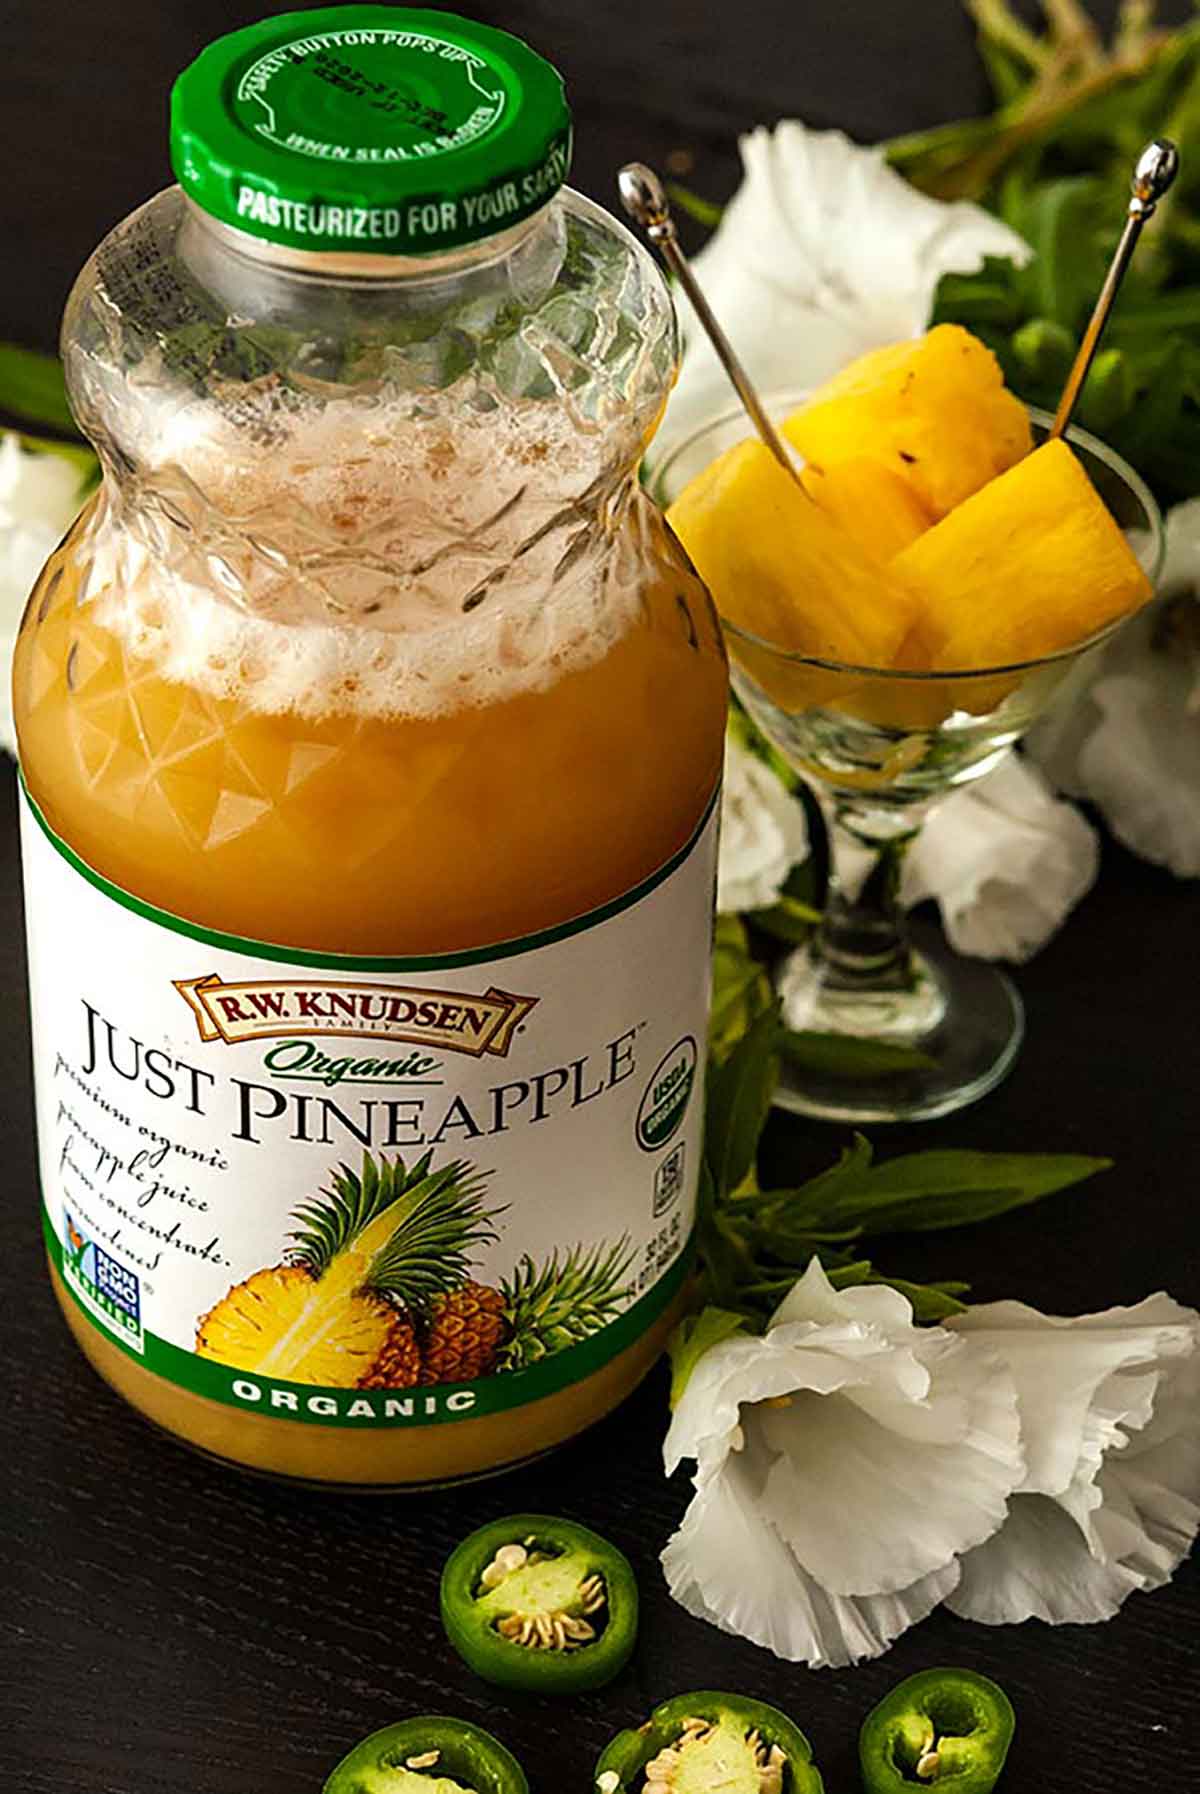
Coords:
pixel 644 199
pixel 1156 168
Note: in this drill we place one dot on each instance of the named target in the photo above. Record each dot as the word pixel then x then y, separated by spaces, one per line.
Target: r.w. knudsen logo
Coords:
pixel 264 1008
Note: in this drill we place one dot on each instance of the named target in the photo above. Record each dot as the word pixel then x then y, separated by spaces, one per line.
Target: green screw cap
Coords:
pixel 377 130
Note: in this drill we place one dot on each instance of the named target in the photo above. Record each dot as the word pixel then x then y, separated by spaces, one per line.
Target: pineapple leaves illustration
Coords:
pixel 412 1231
pixel 561 1304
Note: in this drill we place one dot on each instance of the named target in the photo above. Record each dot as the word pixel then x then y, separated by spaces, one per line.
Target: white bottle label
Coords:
pixel 368 1192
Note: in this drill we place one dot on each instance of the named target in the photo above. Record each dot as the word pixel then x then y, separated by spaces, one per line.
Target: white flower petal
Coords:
pixel 1110 1412
pixel 39 496
pixel 832 1460
pixel 1126 734
pixel 36 488
pixel 725 1566
pixel 1147 1487
pixel 1141 764
pixel 763 833
pixel 824 252
pixel 812 1298
pixel 1038 1566
pixel 1181 563
pixel 747 1368
pixel 1006 861
pixel 1061 1366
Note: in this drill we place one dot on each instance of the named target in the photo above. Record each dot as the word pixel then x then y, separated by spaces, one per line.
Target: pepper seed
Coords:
pixel 508 1559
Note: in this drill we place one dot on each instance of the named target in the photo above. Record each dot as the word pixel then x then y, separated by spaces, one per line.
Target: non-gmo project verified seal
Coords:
pixel 105 1287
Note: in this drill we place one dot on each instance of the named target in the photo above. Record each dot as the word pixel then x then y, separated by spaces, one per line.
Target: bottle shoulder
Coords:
pixel 176 334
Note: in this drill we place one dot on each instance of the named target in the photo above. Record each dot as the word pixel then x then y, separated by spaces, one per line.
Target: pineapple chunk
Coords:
pixel 935 412
pixel 869 503
pixel 779 568
pixel 1031 564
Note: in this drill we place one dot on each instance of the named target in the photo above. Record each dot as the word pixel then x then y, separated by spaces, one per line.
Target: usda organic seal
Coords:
pixel 667 1095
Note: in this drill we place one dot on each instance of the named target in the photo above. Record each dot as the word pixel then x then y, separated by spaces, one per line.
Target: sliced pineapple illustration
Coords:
pixel 370 1258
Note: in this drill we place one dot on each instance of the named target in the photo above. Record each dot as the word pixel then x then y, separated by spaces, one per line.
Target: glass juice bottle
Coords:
pixel 370 727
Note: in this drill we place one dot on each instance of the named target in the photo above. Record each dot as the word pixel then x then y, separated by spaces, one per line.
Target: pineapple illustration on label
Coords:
pixel 375 1292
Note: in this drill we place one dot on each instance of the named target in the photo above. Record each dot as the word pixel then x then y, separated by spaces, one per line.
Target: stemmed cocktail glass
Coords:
pixel 879 748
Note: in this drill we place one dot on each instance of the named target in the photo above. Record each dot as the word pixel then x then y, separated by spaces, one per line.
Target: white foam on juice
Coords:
pixel 320 564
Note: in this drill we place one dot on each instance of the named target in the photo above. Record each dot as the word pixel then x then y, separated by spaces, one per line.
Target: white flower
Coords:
pixel 1006 860
pixel 1181 562
pixel 823 253
pixel 39 496
pixel 845 1459
pixel 1130 742
pixel 1110 1420
pixel 763 832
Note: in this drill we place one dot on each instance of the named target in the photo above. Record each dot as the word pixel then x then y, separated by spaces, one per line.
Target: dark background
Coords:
pixel 170 1628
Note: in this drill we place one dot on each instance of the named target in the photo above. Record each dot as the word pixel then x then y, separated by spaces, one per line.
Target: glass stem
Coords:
pixel 862 943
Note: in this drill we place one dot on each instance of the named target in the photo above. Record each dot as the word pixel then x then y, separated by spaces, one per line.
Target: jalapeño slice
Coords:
pixel 697 1742
pixel 429 1755
pixel 539 1603
pixel 943 1727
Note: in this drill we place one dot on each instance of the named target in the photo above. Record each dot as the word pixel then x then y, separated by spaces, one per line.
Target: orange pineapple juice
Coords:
pixel 300 828
pixel 371 725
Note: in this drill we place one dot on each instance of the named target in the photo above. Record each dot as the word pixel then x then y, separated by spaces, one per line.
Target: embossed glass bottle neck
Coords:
pixel 232 263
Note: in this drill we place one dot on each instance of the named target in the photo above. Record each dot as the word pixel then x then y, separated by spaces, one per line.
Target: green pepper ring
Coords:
pixel 957 1702
pixel 511 1665
pixel 466 1753
pixel 630 1751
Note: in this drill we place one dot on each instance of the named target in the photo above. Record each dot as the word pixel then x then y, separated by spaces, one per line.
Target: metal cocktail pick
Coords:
pixel 644 199
pixel 1156 168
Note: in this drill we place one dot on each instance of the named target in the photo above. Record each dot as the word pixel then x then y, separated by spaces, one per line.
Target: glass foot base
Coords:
pixel 898 1056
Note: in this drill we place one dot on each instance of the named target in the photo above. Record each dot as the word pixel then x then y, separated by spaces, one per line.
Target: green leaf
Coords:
pixel 692 1338
pixel 845 1056
pixel 1060 225
pixel 992 296
pixel 741 988
pixel 1045 349
pixel 725 1263
pixel 847 1173
pixel 923 1191
pixel 1109 391
pixel 931 1302
pixel 788 919
pixel 31 386
pixel 694 205
pixel 746 732
pixel 1178 310
pixel 739 1099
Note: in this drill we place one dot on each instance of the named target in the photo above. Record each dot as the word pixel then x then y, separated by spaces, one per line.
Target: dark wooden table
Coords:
pixel 167 1628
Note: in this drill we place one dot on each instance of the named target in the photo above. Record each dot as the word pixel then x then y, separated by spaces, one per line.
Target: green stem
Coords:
pixel 997 22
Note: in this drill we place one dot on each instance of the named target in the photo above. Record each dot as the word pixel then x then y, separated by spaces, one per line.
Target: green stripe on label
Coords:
pixel 299 956
pixel 322 1406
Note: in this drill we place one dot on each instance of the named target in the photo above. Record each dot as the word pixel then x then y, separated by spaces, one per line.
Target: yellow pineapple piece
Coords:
pixel 781 569
pixel 1031 564
pixel 934 412
pixel 870 503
